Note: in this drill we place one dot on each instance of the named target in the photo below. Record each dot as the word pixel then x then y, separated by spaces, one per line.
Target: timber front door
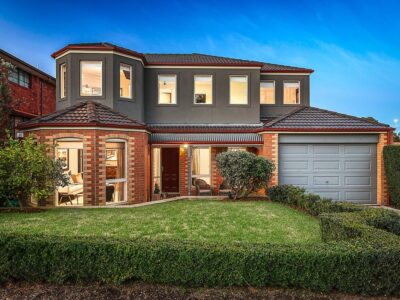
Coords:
pixel 170 170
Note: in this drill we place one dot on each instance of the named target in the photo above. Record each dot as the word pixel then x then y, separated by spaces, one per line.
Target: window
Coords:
pixel 70 151
pixel 203 89
pixel 20 77
pixel 166 89
pixel 156 169
pixel 115 172
pixel 201 164
pixel 238 89
pixel 125 81
pixel 91 78
pixel 267 92
pixel 291 92
pixel 63 78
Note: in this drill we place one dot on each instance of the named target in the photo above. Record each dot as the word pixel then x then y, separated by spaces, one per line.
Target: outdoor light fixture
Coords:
pixel 185 146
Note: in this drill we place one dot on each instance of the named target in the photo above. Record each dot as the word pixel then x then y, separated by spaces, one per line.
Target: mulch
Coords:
pixel 139 290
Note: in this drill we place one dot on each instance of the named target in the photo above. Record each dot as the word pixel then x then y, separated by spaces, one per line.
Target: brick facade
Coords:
pixel 382 189
pixel 94 161
pixel 269 150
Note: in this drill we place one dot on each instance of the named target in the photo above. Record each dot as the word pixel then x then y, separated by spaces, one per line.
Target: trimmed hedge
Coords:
pixel 391 156
pixel 313 204
pixel 355 267
pixel 360 254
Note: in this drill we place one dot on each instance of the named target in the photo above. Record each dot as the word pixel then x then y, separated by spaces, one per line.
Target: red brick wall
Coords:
pixel 270 150
pixel 94 151
pixel 183 171
pixel 29 99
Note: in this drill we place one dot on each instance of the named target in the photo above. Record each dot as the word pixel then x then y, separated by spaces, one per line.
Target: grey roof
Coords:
pixel 305 117
pixel 221 138
pixel 88 112
pixel 215 128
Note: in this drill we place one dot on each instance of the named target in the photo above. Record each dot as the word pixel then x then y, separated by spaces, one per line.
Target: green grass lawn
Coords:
pixel 198 220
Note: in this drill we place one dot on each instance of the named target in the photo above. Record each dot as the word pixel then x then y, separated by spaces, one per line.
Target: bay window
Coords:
pixel 91 74
pixel 63 75
pixel 125 81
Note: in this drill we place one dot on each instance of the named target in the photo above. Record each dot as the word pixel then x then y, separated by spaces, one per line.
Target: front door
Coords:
pixel 170 170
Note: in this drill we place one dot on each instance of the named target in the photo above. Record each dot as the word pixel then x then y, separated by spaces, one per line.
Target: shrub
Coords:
pixel 391 156
pixel 312 203
pixel 244 171
pixel 356 266
pixel 27 171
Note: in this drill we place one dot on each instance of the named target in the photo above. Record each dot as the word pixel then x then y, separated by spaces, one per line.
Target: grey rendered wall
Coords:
pixel 185 111
pixel 277 109
pixel 132 108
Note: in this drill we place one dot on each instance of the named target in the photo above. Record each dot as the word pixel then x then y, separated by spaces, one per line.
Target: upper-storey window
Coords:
pixel 267 92
pixel 91 78
pixel 166 89
pixel 238 90
pixel 291 92
pixel 203 89
pixel 125 81
pixel 20 77
pixel 63 80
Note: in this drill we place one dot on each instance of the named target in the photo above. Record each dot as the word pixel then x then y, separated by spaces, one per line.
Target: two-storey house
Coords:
pixel 128 124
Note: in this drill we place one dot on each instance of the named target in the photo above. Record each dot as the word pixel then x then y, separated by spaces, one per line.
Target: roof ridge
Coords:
pixel 295 110
pixel 91 111
pixel 56 113
pixel 349 116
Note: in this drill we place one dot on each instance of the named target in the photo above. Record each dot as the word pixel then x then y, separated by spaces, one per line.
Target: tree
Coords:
pixel 26 171
pixel 244 171
pixel 5 96
pixel 396 137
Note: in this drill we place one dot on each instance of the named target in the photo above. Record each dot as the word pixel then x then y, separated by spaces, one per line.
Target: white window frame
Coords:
pixel 273 82
pixel 63 79
pixel 80 77
pixel 291 81
pixel 194 88
pixel 247 89
pixel 131 80
pixel 125 179
pixel 210 162
pixel 176 89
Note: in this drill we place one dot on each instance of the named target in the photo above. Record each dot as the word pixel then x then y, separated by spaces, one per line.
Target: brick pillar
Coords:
pixel 382 189
pixel 269 150
pixel 216 178
pixel 183 171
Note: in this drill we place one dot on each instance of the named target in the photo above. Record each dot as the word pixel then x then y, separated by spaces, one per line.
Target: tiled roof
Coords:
pixel 193 59
pixel 215 138
pixel 84 113
pixel 315 118
pixel 197 128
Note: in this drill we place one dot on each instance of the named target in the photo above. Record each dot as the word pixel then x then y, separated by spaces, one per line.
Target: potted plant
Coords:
pixel 156 192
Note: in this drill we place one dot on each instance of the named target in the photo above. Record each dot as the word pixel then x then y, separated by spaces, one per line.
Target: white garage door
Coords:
pixel 345 172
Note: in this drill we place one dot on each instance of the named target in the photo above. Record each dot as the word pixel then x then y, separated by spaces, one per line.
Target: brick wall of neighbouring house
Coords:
pixel 270 150
pixel 382 189
pixel 94 158
pixel 34 100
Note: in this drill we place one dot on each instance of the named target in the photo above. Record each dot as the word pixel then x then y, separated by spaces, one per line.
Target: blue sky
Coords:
pixel 353 46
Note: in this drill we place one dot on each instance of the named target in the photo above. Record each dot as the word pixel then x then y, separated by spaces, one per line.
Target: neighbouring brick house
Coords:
pixel 128 123
pixel 33 91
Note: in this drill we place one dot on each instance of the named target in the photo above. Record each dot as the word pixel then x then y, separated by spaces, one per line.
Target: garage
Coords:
pixel 339 167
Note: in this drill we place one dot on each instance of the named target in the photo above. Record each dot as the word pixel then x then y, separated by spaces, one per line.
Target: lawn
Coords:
pixel 200 220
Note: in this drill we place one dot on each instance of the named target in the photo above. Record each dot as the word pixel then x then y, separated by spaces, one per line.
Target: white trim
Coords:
pixel 99 52
pixel 85 128
pixel 282 73
pixel 197 67
pixel 324 132
pixel 152 66
pixel 131 80
pixel 175 93
pixel 283 92
pixel 81 62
